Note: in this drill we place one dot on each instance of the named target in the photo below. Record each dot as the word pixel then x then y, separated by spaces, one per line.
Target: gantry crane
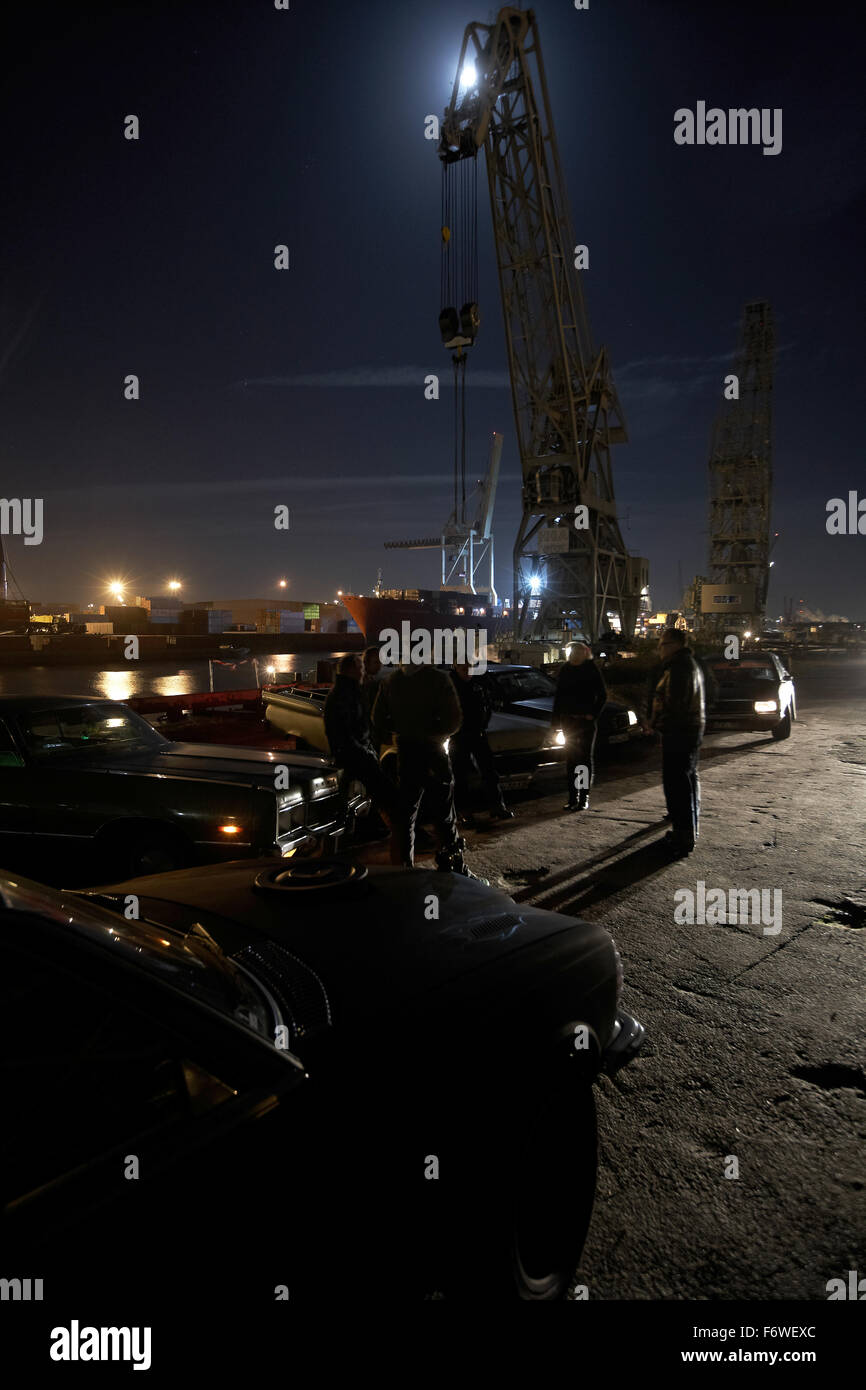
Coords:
pixel 571 566
pixel 467 547
pixel 741 479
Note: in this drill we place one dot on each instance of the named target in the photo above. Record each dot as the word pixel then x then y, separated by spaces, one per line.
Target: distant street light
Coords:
pixel 174 585
pixel 283 584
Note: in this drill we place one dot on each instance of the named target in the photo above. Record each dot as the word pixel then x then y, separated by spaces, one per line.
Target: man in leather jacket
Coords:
pixel 678 714
pixel 419 704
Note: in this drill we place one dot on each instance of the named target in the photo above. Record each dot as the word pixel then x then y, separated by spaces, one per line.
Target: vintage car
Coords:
pixel 755 693
pixel 522 744
pixel 451 1036
pixel 92 775
pixel 523 691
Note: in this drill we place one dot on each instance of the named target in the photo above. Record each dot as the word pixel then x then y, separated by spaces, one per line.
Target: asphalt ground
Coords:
pixel 755 1060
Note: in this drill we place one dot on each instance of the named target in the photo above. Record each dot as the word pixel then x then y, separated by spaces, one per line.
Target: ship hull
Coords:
pixel 377 616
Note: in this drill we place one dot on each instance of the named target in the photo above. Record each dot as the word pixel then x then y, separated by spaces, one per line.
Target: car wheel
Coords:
pixel 783 728
pixel 522 1230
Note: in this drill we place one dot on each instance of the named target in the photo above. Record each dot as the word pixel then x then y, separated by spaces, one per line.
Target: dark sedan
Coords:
pixel 450 1034
pixel 755 693
pixel 521 690
pixel 92 775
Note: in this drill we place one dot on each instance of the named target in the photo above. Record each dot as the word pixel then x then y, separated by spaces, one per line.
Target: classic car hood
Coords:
pixel 208 762
pixel 376 947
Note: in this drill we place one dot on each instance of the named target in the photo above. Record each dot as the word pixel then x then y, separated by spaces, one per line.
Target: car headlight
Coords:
pixel 632 717
pixel 765 706
pixel 559 740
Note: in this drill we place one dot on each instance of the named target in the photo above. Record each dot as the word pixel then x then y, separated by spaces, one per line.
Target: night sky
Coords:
pixel 305 387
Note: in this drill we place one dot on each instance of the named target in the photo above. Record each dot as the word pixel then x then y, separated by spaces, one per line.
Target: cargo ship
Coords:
pixel 425 609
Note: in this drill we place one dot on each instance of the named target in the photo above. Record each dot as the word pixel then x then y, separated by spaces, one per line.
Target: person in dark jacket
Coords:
pixel 580 697
pixel 347 728
pixel 678 714
pixel 419 704
pixel 470 744
pixel 374 674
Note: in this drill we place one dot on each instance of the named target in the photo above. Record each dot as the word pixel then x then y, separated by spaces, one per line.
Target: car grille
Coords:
pixel 292 818
pixel 324 810
pixel 297 989
pixel 731 709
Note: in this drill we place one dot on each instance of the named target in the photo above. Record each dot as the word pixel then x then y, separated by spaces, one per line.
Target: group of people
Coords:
pixel 439 721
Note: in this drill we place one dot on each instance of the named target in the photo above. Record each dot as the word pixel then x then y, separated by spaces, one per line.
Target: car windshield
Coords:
pixel 522 685
pixel 87 731
pixel 759 672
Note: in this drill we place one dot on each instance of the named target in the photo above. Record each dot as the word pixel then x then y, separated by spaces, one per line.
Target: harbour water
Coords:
pixel 153 678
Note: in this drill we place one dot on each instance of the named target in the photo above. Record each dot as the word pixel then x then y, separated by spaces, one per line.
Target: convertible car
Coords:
pixel 451 1038
pixel 520 732
pixel 92 775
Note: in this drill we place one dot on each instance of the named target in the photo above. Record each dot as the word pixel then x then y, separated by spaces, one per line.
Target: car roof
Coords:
pixel 27 702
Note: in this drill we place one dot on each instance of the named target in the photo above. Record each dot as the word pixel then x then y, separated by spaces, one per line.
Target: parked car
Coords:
pixel 755 693
pixel 521 690
pixel 145 1106
pixel 93 775
pixel 451 1036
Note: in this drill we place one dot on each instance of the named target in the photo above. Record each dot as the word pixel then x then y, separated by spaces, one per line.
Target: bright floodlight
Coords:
pixel 174 585
pixel 534 583
pixel 468 76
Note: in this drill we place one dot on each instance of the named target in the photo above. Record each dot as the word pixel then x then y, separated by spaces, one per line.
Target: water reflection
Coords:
pixel 116 685
pixel 154 678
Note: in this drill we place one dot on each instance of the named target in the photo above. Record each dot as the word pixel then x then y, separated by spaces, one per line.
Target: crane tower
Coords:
pixel 571 565
pixel 741 477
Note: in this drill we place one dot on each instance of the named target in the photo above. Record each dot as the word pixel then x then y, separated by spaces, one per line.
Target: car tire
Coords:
pixel 529 1199
pixel 783 728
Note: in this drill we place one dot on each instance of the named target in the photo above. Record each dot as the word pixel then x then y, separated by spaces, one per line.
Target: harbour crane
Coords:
pixel 741 481
pixel 467 547
pixel 571 565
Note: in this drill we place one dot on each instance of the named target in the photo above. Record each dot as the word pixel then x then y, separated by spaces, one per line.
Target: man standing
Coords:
pixel 470 744
pixel 374 674
pixel 348 732
pixel 419 704
pixel 580 698
pixel 678 714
